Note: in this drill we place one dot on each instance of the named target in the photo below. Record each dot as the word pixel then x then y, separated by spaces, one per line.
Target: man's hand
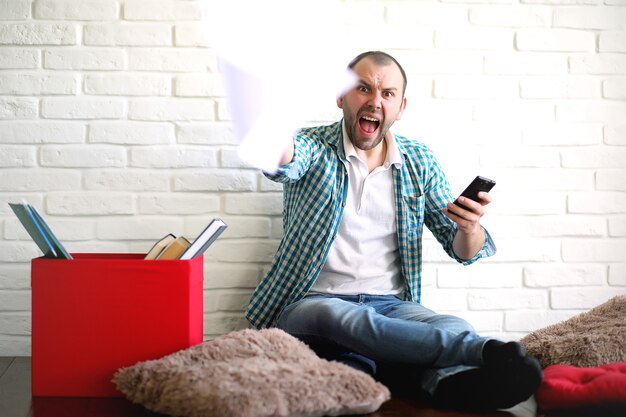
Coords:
pixel 470 237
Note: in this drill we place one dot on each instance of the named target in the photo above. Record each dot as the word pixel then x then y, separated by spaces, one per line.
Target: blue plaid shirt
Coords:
pixel 315 190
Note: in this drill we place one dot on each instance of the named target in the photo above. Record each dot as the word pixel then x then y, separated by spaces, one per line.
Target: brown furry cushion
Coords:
pixel 594 338
pixel 250 373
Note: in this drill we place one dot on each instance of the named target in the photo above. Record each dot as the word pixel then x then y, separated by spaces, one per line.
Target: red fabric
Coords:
pixel 570 387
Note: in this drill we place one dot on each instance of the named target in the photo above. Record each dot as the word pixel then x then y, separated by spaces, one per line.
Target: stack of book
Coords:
pixel 168 247
pixel 172 247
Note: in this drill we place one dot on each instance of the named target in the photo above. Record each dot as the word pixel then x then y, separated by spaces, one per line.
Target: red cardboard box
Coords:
pixel 99 312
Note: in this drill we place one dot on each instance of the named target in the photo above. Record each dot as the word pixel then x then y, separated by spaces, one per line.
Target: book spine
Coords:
pixel 33 218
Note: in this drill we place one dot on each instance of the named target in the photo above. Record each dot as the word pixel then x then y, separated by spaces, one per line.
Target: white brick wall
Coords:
pixel 113 121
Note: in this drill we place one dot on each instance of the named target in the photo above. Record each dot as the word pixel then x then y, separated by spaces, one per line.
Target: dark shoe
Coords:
pixel 508 377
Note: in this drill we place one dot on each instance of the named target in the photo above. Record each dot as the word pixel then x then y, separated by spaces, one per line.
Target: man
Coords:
pixel 347 272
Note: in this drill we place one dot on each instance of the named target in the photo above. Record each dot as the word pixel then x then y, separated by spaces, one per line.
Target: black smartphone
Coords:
pixel 477 185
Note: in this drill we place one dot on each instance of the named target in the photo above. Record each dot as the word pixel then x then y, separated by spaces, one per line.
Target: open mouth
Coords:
pixel 369 124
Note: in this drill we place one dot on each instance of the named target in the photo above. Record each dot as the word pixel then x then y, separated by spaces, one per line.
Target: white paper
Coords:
pixel 281 62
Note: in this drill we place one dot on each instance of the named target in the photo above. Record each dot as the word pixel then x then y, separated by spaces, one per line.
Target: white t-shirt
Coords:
pixel 364 257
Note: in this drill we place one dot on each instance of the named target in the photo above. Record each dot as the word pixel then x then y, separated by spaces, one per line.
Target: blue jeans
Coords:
pixel 388 330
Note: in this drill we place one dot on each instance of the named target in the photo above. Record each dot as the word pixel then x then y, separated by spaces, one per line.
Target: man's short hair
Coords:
pixel 380 58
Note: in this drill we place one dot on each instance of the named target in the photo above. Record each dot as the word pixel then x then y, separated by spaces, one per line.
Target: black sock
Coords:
pixel 498 354
pixel 508 377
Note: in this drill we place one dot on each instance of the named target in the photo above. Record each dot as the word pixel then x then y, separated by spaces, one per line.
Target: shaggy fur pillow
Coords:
pixel 589 339
pixel 250 373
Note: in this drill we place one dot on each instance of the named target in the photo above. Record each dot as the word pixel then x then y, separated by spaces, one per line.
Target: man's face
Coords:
pixel 377 101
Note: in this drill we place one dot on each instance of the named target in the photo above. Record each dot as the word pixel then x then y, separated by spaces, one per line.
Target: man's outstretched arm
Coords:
pixel 287 154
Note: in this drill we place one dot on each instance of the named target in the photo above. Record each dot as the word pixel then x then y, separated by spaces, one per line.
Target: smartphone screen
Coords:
pixel 477 185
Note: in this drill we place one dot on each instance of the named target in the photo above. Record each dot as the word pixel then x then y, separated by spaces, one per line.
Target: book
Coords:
pixel 205 239
pixel 174 249
pixel 158 247
pixel 53 239
pixel 39 231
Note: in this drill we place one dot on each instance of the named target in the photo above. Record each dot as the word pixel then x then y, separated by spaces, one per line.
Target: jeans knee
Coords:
pixel 307 314
pixel 457 324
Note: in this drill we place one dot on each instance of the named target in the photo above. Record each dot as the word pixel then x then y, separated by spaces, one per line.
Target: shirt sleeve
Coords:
pixel 294 170
pixel 488 249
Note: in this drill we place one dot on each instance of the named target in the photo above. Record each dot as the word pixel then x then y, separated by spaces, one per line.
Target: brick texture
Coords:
pixel 114 122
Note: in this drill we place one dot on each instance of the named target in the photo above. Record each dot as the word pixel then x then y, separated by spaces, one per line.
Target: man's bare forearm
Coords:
pixel 287 154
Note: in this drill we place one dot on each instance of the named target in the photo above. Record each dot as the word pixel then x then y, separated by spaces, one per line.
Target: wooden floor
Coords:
pixel 16 401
